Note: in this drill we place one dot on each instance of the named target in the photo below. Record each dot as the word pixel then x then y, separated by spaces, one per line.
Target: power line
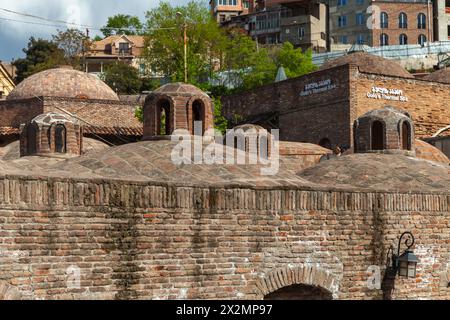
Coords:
pixel 62 23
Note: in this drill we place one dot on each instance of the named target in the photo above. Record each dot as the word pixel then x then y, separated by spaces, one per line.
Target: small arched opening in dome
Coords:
pixel 32 139
pixel 325 143
pixel 406 135
pixel 377 135
pixel 198 115
pixel 60 138
pixel 163 125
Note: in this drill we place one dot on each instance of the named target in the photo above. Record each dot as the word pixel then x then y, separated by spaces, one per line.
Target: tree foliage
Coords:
pixel 294 61
pixel 74 45
pixel 122 24
pixel 39 55
pixel 165 43
pixel 123 78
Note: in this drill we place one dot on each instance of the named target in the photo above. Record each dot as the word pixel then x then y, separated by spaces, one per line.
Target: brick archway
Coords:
pixel 293 275
pixel 9 292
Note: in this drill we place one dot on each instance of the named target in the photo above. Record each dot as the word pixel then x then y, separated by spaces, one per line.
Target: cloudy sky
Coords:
pixel 14 35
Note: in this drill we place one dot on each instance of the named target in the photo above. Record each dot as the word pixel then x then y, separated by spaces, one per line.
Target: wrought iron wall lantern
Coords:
pixel 406 263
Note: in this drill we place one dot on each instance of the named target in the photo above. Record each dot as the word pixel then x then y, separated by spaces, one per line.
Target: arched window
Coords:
pixel 197 116
pixel 31 139
pixel 60 138
pixel 403 39
pixel 326 143
pixel 406 136
pixel 163 125
pixel 402 21
pixel 422 40
pixel 384 20
pixel 421 21
pixel 384 39
pixel 377 135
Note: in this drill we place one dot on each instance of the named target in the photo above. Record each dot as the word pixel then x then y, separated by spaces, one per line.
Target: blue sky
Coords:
pixel 14 35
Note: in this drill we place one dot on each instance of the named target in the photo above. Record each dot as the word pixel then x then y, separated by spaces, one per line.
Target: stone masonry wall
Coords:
pixel 133 240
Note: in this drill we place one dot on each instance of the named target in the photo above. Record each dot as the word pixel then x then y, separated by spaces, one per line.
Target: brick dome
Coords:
pixel 426 151
pixel 442 75
pixel 380 172
pixel 65 83
pixel 369 63
pixel 179 88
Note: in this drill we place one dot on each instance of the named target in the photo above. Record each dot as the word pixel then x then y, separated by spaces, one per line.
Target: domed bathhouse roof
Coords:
pixel 442 75
pixel 369 63
pixel 152 161
pixel 63 82
pixel 427 151
pixel 380 172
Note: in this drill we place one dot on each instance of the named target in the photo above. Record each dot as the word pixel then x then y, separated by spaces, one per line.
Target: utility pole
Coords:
pixel 185 52
pixel 179 14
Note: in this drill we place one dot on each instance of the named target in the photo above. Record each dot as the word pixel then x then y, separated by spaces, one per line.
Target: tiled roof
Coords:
pixel 123 131
pixel 137 41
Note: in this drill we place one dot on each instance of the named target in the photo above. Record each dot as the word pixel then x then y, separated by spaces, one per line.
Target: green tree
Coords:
pixel 123 78
pixel 294 61
pixel 122 24
pixel 252 65
pixel 39 55
pixel 74 44
pixel 165 40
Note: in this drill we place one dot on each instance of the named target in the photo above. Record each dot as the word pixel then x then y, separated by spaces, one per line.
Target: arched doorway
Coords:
pixel 406 136
pixel 377 135
pixel 325 143
pixel 32 139
pixel 197 116
pixel 300 292
pixel 163 125
pixel 60 139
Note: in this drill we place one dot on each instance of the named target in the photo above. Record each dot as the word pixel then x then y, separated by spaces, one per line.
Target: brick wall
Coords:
pixel 16 112
pixel 412 32
pixel 428 102
pixel 133 240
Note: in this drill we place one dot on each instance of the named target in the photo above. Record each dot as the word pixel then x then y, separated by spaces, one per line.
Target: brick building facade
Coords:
pixel 324 105
pixel 379 22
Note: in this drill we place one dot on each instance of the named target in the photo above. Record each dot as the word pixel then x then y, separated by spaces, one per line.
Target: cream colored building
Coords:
pixel 6 80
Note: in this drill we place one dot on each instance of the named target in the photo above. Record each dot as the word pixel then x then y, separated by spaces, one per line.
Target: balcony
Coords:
pixel 295 20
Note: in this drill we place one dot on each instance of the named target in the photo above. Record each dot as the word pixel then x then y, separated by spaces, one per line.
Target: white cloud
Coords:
pixel 93 13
